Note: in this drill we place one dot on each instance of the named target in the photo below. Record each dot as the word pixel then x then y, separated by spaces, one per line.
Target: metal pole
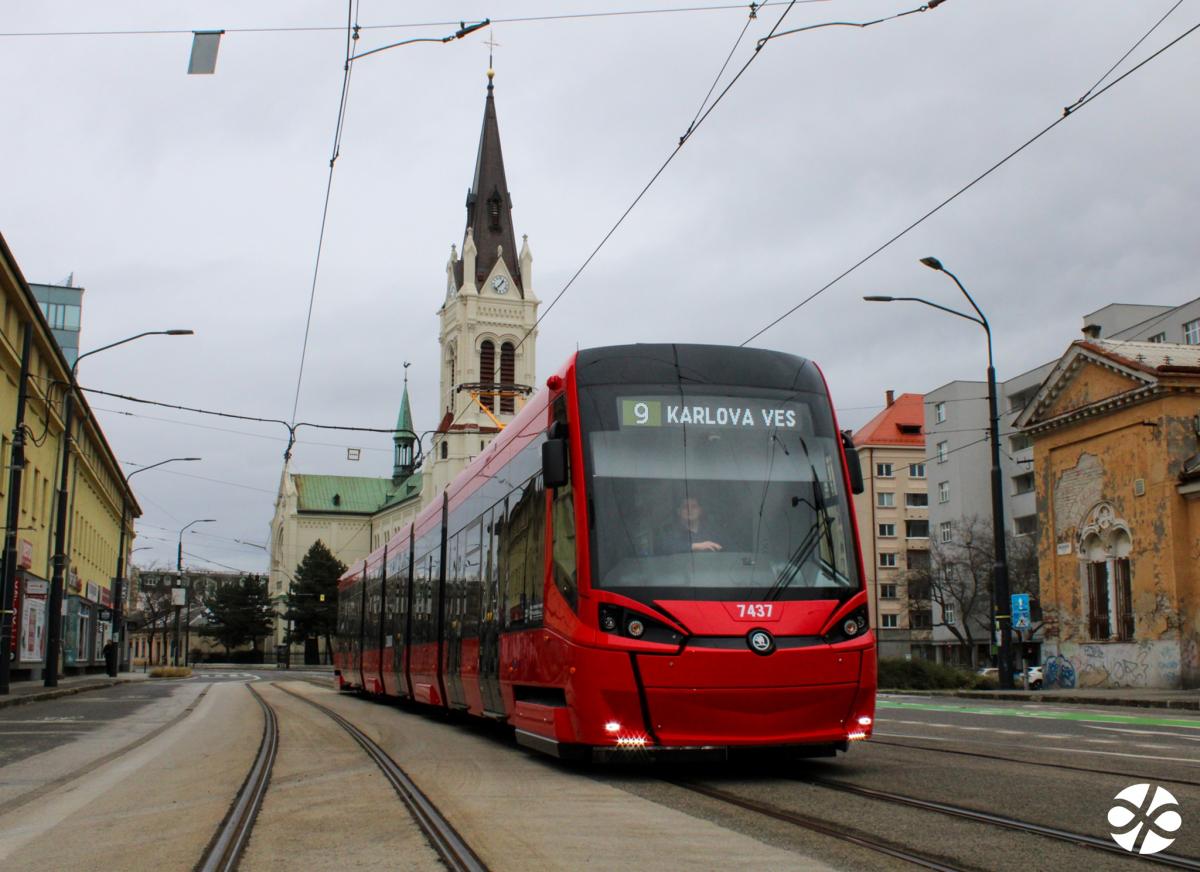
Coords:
pixel 8 580
pixel 119 590
pixel 187 626
pixel 54 619
pixel 1000 565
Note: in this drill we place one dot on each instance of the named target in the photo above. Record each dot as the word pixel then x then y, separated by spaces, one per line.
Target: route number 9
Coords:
pixel 641 413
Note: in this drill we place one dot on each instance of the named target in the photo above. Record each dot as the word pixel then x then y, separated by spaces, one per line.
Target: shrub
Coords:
pixel 899 674
pixel 170 672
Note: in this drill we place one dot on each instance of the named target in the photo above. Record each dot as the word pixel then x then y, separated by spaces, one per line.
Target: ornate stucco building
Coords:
pixel 487 337
pixel 1116 447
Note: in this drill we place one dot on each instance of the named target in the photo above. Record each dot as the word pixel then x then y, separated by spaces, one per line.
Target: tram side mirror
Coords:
pixel 554 463
pixel 852 464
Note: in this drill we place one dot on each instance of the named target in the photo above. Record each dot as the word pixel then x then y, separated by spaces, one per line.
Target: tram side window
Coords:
pixel 524 554
pixel 472 579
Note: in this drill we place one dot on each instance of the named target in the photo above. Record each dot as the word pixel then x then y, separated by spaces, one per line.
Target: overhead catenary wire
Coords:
pixel 701 117
pixel 524 19
pixel 962 190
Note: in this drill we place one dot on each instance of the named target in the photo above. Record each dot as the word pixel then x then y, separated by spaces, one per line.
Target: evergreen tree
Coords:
pixel 240 612
pixel 312 599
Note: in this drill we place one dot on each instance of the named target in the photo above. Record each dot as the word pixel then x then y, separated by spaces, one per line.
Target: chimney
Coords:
pixel 1091 331
pixel 890 396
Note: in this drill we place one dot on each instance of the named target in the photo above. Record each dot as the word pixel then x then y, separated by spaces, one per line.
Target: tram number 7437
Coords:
pixel 755 610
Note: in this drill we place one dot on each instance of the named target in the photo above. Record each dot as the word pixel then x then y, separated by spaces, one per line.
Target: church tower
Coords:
pixel 487 336
pixel 404 438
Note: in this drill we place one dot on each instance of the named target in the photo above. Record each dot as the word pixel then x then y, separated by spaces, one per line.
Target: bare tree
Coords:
pixel 960 578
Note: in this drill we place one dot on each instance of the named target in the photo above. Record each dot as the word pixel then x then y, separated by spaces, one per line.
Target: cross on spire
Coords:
pixel 491 43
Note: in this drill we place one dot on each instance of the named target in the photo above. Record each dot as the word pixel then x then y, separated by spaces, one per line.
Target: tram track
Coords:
pixel 445 840
pixel 224 851
pixel 825 828
pixel 998 820
pixel 1042 763
pixel 920 858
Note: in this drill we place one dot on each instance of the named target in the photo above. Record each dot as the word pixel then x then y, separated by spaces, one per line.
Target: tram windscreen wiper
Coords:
pixel 801 554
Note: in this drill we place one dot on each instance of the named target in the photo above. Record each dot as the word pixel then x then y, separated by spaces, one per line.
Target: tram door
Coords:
pixel 489 612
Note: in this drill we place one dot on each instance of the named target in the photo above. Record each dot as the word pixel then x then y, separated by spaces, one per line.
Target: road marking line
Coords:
pixel 1144 732
pixel 1047 714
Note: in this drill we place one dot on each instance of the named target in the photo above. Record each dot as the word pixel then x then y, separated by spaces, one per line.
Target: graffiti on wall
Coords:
pixel 1117 664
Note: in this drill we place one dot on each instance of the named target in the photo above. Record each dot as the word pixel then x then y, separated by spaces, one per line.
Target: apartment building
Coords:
pixel 893 525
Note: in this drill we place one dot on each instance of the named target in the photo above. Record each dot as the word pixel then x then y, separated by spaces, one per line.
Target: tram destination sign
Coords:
pixel 706 412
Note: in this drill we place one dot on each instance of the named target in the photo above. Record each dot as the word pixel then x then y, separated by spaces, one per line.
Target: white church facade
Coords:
pixel 487 340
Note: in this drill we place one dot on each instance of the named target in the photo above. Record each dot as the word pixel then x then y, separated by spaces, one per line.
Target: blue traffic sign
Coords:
pixel 1020 611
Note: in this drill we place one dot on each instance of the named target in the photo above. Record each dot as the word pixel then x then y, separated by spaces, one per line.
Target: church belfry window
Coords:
pixel 487 373
pixel 508 374
pixel 493 207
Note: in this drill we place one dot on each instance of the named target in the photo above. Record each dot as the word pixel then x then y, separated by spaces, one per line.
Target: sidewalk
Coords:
pixel 32 691
pixel 1124 696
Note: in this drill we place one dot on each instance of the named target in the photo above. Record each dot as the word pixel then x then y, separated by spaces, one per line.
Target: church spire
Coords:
pixel 402 464
pixel 489 207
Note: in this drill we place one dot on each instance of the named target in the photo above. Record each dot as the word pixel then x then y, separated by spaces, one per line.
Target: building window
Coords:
pixel 1019 442
pixel 916 529
pixel 885 499
pixel 1158 337
pixel 887 531
pixel 916 470
pixel 487 373
pixel 1124 589
pixel 508 375
pixel 916 501
pixel 1097 581
pixel 887 560
pixel 945 530
pixel 943 491
pixel 939 413
pixel 888 622
pixel 1191 332
pixel 920 620
pixel 62 316
pixel 887 591
pixel 948 615
pixel 943 449
pixel 1023 484
pixel 883 470
pixel 1026 526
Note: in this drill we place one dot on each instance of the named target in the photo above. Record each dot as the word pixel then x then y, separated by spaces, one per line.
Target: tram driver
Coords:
pixel 688 531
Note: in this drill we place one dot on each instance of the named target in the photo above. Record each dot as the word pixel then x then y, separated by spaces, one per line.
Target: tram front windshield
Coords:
pixel 716 495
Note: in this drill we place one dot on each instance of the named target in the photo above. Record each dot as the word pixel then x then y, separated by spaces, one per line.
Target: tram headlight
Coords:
pixel 850 627
pixel 634 625
pixel 635 628
pixel 608 620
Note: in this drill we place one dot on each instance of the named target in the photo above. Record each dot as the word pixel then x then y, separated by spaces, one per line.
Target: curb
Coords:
pixel 1056 698
pixel 43 695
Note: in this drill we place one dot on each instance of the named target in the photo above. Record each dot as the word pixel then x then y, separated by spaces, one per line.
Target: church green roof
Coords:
pixel 351 495
pixel 404 420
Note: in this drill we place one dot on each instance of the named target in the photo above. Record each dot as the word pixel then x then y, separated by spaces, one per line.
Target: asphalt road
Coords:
pixel 1058 766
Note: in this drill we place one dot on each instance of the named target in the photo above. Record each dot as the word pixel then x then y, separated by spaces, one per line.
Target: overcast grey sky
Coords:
pixel 195 201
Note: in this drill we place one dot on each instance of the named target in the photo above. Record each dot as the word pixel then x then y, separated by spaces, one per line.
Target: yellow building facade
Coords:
pixel 97 493
pixel 1116 444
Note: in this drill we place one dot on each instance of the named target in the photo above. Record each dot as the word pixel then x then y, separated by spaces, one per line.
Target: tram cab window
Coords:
pixel 736 496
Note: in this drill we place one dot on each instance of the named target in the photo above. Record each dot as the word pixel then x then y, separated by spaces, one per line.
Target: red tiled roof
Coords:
pixel 884 429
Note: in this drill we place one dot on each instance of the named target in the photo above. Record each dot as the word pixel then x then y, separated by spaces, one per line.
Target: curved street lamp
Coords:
pixel 54 624
pixel 119 582
pixel 1001 604
pixel 187 632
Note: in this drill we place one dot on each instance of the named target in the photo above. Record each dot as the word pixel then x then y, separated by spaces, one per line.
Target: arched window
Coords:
pixel 508 374
pixel 487 371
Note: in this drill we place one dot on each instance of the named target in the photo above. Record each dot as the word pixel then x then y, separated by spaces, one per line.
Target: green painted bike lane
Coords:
pixel 1042 714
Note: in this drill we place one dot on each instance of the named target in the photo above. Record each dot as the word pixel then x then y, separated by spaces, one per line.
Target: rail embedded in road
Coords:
pixel 443 837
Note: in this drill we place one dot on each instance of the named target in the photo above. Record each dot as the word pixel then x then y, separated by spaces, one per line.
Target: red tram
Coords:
pixel 658 553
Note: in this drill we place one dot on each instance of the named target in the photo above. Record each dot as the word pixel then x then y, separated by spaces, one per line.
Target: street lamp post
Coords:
pixel 54 623
pixel 119 581
pixel 1001 611
pixel 179 567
